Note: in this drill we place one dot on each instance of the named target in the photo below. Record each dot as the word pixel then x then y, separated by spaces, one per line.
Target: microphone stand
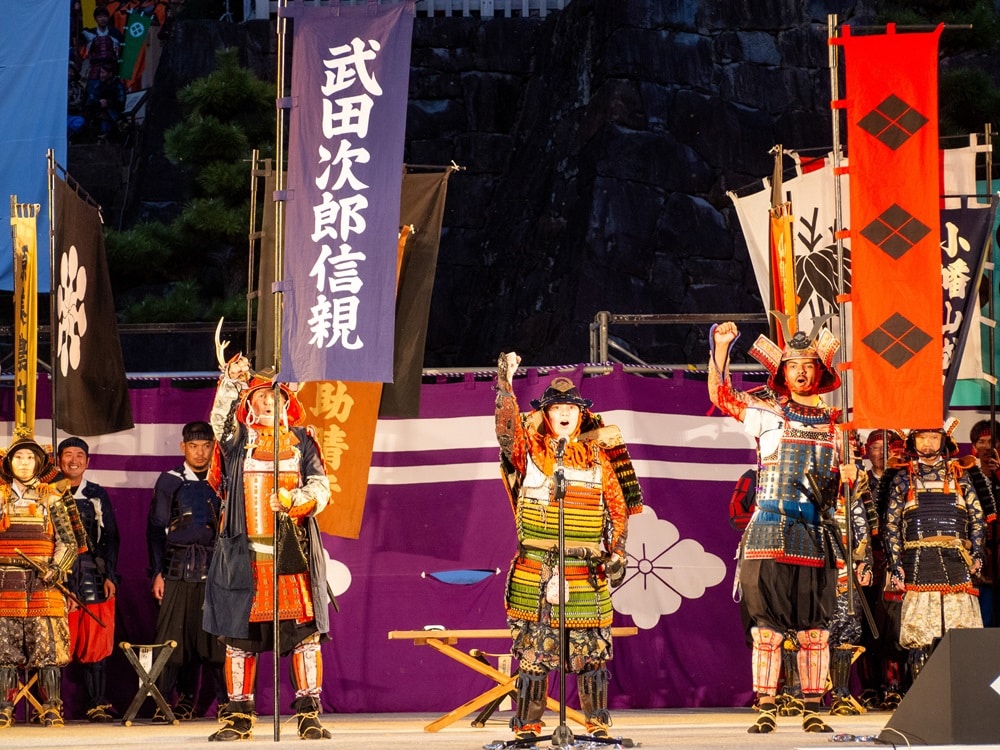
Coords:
pixel 562 736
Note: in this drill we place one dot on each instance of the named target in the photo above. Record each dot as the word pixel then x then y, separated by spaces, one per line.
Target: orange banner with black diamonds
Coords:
pixel 896 297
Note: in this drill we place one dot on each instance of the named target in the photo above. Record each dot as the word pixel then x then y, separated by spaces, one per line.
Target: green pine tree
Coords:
pixel 194 268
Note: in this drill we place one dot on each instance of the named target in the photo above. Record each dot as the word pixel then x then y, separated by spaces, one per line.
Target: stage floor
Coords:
pixel 723 729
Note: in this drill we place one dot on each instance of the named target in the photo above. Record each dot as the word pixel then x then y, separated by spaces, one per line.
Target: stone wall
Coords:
pixel 597 146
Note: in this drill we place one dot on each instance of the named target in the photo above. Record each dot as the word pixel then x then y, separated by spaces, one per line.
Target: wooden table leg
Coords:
pixel 504 685
pixel 467 708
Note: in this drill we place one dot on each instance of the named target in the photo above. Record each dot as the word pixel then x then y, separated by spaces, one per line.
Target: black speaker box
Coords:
pixel 955 699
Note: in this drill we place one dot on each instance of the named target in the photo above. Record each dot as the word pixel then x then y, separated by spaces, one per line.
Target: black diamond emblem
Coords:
pixel 893 122
pixel 897 340
pixel 895 231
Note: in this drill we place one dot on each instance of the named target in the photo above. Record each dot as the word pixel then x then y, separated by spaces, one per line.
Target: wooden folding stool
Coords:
pixel 147 680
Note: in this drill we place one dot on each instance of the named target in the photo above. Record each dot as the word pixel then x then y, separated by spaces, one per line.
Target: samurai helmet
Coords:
pixel 43 461
pixel 561 391
pixel 291 411
pixel 948 445
pixel 891 438
pixel 820 345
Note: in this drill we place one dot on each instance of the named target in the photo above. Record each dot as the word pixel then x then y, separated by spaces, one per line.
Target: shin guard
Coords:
pixel 766 659
pixel 814 661
pixel 532 688
pixel 592 687
pixel 790 667
pixel 840 669
pixel 241 674
pixel 8 684
pixel 307 668
pixel 917 658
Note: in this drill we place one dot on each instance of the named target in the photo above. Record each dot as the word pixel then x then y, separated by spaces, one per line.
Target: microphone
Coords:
pixel 561 447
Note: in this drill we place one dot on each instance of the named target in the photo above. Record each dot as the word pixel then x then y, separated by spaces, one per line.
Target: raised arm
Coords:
pixel 235 375
pixel 720 387
pixel 508 416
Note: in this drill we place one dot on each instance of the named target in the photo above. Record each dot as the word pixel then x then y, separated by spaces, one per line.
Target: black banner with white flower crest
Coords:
pixel 91 393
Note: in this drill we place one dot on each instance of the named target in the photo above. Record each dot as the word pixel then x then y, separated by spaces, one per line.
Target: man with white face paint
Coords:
pixel 934 536
pixel 788 554
pixel 562 435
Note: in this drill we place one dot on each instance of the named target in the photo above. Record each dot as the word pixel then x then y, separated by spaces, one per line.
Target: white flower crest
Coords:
pixel 71 309
pixel 338 575
pixel 663 570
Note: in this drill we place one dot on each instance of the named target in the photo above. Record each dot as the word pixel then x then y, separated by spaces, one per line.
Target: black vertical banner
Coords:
pixel 422 207
pixel 91 387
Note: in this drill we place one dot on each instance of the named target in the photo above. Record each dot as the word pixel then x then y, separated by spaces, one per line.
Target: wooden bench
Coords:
pixel 445 640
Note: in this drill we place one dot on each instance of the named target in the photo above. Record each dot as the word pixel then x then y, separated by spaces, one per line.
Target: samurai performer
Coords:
pixel 934 536
pixel 34 629
pixel 789 553
pixel 250 426
pixel 562 438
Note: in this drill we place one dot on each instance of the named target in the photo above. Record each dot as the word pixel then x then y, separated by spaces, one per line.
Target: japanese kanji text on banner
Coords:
pixel 350 72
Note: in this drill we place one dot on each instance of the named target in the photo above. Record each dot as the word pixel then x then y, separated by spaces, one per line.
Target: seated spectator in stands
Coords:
pixel 76 93
pixel 104 109
pixel 102 46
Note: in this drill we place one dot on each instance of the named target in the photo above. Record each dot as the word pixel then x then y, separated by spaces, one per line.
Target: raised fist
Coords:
pixel 725 334
pixel 506 367
pixel 238 369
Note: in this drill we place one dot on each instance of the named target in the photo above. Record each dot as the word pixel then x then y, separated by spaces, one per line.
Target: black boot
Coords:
pixel 532 687
pixel 307 712
pixel 765 722
pixel 99 709
pixel 917 658
pixel 810 717
pixel 840 677
pixel 593 689
pixel 237 720
pixel 789 701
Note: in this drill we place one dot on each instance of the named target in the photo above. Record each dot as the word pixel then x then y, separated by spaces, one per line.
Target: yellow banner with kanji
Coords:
pixel 23 218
